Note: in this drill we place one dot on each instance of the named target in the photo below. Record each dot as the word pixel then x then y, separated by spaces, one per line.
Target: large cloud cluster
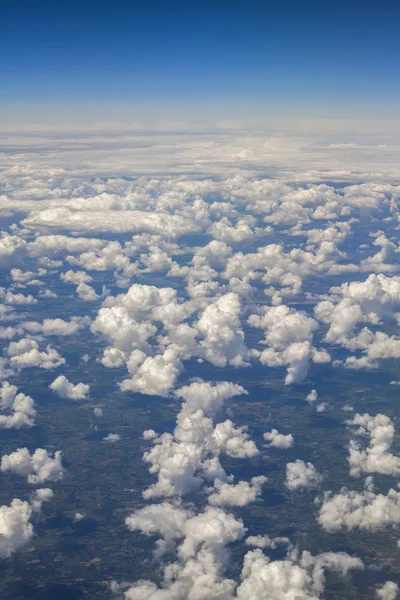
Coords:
pixel 173 269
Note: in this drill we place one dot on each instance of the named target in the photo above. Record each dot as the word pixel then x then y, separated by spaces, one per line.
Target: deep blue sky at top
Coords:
pixel 155 51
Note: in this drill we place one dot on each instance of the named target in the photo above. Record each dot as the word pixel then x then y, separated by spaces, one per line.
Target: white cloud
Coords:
pixel 288 335
pixel 76 277
pixel 312 397
pixel 16 530
pixel 389 591
pixel 112 438
pixel 20 408
pixel 25 353
pixel 12 250
pixel 241 494
pixel 376 458
pixel 78 517
pixel 301 475
pixel 66 389
pixel 38 467
pixel 183 459
pixel 54 326
pixel 86 292
pixel 264 541
pixel 278 440
pixel 364 510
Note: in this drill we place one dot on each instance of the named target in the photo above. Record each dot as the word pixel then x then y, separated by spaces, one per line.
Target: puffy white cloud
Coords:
pixel 86 292
pixel 16 530
pixel 13 249
pixel 376 458
pixel 278 440
pixel 54 326
pixel 78 517
pixel 369 301
pixel 389 591
pixel 297 577
pixel 152 375
pixel 288 335
pixel 66 389
pixel 234 441
pixel 20 408
pixel 202 395
pixel 223 337
pixel 312 397
pixel 241 494
pixel 76 277
pixel 38 467
pixel 183 459
pixel 300 474
pixel 364 510
pixel 56 245
pixel 98 412
pixel 25 353
pixel 17 299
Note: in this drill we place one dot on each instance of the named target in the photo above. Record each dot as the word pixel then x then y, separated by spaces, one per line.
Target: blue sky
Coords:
pixel 247 59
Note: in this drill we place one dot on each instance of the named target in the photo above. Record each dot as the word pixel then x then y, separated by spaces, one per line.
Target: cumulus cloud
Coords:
pixel 54 326
pixel 376 458
pixel 38 467
pixel 65 389
pixel 19 408
pixel 364 510
pixel 278 440
pixel 389 591
pixel 16 529
pixel 25 353
pixel 182 460
pixel 301 475
pixel 288 336
pixel 312 397
pixel 241 494
pixel 13 250
pixel 86 292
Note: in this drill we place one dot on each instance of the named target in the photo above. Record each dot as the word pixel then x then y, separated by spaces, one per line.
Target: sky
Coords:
pixel 198 61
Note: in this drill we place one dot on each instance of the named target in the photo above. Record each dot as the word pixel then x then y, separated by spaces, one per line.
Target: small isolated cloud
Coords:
pixel 300 474
pixel 38 467
pixel 112 438
pixel 78 517
pixel 98 412
pixel 279 440
pixel 389 591
pixel 67 390
pixel 312 397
